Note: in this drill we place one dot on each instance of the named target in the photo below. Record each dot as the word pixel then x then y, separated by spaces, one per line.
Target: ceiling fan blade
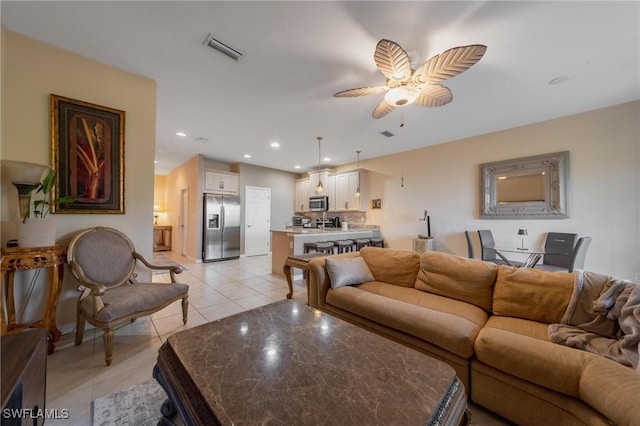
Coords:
pixel 392 60
pixel 382 109
pixel 434 96
pixel 361 91
pixel 449 64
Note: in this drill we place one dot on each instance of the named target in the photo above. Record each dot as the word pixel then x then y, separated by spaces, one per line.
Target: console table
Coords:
pixel 161 238
pixel 24 258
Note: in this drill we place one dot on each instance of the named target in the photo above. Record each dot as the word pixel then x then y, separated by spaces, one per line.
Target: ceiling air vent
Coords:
pixel 387 133
pixel 222 48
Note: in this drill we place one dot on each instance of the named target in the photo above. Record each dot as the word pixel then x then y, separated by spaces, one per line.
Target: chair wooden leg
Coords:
pixel 185 309
pixel 107 338
pixel 80 321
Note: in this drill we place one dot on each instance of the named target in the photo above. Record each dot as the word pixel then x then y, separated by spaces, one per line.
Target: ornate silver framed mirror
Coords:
pixel 525 188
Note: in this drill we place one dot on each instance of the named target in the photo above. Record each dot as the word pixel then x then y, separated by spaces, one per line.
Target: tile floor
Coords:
pixel 76 375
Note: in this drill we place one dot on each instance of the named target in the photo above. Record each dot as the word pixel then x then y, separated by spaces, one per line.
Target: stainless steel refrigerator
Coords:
pixel 221 232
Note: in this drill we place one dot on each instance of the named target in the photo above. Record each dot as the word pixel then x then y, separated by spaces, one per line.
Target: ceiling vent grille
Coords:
pixel 387 133
pixel 222 48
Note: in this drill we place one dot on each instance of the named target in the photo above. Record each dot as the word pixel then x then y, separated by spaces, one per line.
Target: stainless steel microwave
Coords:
pixel 319 203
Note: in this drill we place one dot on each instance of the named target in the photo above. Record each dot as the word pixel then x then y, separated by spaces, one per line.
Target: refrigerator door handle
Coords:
pixel 222 217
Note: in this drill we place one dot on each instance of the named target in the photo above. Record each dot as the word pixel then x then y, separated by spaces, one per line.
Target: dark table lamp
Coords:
pixel 522 232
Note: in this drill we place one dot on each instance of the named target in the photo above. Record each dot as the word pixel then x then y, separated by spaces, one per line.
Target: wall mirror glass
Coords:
pixel 530 187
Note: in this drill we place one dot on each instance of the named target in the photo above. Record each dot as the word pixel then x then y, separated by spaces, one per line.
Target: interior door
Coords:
pixel 257 222
pixel 183 221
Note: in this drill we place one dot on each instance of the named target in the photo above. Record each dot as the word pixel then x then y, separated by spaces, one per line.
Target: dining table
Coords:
pixel 533 255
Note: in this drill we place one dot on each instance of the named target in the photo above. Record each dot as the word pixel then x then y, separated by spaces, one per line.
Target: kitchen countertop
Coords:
pixel 296 231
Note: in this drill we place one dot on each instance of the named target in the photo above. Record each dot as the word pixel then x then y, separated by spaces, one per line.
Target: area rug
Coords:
pixel 137 406
pixel 162 260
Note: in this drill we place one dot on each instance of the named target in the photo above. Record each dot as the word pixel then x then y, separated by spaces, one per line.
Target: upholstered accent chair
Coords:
pixel 103 260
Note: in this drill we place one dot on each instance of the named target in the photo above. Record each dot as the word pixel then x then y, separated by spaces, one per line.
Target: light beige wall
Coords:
pixel 159 197
pixel 281 184
pixel 604 194
pixel 186 178
pixel 30 72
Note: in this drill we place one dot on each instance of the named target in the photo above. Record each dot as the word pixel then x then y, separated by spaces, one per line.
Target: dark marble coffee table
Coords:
pixel 287 363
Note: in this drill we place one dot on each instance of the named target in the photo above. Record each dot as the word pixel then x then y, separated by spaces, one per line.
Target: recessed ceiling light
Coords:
pixel 296 166
pixel 247 156
pixel 326 159
pixel 201 139
pixel 275 145
pixel 181 134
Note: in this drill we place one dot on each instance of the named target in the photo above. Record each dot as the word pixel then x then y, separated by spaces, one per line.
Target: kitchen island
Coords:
pixel 289 242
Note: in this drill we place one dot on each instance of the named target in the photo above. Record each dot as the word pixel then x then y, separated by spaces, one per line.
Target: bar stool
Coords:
pixel 362 242
pixel 377 242
pixel 343 246
pixel 319 246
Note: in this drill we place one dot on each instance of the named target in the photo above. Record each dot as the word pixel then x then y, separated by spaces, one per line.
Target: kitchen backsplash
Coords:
pixel 355 219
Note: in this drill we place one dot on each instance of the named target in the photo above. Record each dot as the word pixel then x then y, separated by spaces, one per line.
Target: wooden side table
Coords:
pixel 300 261
pixel 18 259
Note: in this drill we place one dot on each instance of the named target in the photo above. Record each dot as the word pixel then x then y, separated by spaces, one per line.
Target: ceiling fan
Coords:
pixel 406 85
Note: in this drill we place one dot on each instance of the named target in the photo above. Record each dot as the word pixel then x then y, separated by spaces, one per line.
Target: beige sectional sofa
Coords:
pixel 490 323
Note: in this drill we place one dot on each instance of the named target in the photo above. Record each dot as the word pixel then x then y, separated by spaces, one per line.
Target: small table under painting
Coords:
pixel 287 363
pixel 24 258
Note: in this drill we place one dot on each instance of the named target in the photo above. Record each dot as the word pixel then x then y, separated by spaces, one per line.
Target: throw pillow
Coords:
pixel 347 271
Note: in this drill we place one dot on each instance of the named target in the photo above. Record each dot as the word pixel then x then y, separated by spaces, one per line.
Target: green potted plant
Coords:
pixel 39 230
pixel 42 207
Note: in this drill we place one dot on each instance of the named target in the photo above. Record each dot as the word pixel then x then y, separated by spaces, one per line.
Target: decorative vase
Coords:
pixel 37 232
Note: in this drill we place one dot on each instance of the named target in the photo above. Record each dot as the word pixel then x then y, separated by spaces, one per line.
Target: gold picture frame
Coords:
pixel 87 152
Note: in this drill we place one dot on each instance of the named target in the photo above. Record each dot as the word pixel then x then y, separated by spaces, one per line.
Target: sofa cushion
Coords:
pixel 428 300
pixel 447 331
pixel 457 277
pixel 532 294
pixel 612 389
pixel 347 271
pixel 129 299
pixel 397 267
pixel 520 347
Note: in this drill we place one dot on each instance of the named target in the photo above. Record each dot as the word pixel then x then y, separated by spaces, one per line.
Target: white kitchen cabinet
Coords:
pixel 345 188
pixel 221 182
pixel 302 195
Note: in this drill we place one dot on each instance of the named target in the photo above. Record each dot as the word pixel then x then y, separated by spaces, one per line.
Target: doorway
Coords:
pixel 257 222
pixel 183 222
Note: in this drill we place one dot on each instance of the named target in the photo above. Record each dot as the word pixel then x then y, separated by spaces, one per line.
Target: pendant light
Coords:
pixel 320 187
pixel 357 193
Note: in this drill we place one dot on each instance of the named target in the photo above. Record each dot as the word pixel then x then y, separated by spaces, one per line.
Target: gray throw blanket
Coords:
pixel 603 317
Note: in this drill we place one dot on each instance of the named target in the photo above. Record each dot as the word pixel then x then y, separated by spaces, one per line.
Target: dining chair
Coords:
pixel 488 245
pixel 470 250
pixel 561 246
pixel 104 261
pixel 576 259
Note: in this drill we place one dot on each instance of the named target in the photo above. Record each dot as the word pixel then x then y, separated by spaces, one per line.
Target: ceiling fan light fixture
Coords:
pixel 403 95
